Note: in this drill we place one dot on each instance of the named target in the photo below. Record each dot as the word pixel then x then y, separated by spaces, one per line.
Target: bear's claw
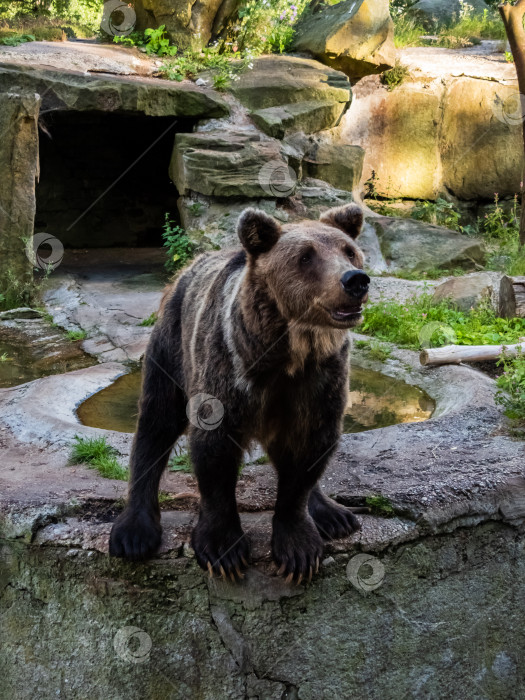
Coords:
pixel 135 535
pixel 297 548
pixel 221 553
pixel 331 519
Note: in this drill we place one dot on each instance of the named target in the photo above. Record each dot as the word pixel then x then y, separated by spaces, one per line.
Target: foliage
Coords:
pixel 472 25
pixel 395 76
pixel 407 32
pixel 509 57
pixel 15 39
pixel 402 323
pixel 153 41
pixel 179 248
pixel 267 26
pixel 224 65
pixel 181 463
pixel 150 321
pixel 377 351
pixel 440 213
pixel 97 454
pixel 263 459
pixel 81 15
pixel 511 384
pixel 73 336
pixel 4 357
pixel 380 505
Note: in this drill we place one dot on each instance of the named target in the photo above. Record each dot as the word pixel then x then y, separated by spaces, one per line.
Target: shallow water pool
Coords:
pixel 375 401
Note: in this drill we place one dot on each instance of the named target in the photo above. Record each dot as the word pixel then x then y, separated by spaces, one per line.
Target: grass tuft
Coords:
pixel 74 336
pixel 380 505
pixel 97 454
pixel 150 321
pixel 181 463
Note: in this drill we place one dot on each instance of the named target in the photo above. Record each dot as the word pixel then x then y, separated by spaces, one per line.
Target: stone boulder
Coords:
pixel 416 246
pixel 355 36
pixel 230 163
pixel 286 94
pixel 466 292
pixel 431 12
pixel 340 165
pixel 189 24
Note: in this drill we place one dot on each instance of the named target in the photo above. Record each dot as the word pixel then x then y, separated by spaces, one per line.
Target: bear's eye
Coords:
pixel 306 257
pixel 350 253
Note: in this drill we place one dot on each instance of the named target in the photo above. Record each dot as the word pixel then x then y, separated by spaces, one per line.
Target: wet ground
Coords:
pixel 375 401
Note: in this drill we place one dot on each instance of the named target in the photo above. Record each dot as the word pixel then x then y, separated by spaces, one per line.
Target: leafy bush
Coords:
pixel 395 76
pixel 97 454
pixel 511 383
pixel 180 249
pixel 402 323
pixel 267 26
pixel 15 39
pixel 440 213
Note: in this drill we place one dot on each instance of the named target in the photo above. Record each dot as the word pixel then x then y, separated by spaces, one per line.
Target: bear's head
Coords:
pixel 311 269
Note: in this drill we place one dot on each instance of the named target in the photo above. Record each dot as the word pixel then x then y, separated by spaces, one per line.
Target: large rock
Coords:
pixel 88 92
pixel 307 117
pixel 275 81
pixel 340 165
pixel 416 246
pixel 229 163
pixel 431 12
pixel 466 292
pixel 431 136
pixel 187 23
pixel 19 170
pixel 355 36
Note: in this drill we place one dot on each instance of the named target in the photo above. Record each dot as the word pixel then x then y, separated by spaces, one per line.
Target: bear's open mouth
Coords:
pixel 346 313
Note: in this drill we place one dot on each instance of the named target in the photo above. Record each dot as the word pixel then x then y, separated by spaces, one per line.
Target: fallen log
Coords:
pixel 455 354
pixel 512 297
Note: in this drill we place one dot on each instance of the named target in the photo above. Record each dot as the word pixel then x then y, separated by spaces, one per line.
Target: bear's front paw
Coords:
pixel 297 548
pixel 222 550
pixel 135 535
pixel 332 520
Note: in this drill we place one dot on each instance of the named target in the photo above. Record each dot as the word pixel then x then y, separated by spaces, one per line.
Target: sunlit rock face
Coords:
pixel 356 37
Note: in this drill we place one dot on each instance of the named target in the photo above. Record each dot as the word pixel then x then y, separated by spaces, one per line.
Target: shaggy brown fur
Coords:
pixel 251 344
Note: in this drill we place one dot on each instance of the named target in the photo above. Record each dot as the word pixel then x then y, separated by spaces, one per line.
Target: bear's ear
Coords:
pixel 257 231
pixel 348 218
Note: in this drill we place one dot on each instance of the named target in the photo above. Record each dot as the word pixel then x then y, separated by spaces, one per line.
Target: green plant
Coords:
pixel 180 249
pixel 74 336
pixel 263 459
pixel 97 454
pixel 196 208
pixel 380 505
pixel 407 31
pixel 379 352
pixel 157 42
pixel 395 76
pixel 266 27
pixel 440 213
pixel 181 463
pixel 16 39
pixel 4 357
pixel 509 57
pixel 402 323
pixel 511 384
pixel 150 321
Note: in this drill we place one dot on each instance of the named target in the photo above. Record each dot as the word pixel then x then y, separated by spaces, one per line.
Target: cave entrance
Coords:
pixel 104 178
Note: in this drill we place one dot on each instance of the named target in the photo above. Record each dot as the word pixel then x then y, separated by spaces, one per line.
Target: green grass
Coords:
pixel 395 76
pixel 97 454
pixel 402 324
pixel 380 505
pixel 150 321
pixel 74 336
pixel 181 463
pixel 376 350
pixel 511 391
pixel 407 32
pixel 263 459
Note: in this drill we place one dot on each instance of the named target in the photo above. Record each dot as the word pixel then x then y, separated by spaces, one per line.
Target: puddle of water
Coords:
pixel 375 401
pixel 18 364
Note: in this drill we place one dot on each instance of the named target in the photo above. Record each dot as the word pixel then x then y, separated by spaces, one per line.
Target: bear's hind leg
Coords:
pixel 136 533
pixel 220 545
pixel 331 519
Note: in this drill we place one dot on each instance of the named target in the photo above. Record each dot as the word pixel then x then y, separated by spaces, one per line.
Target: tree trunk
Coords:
pixel 512 16
pixel 455 354
pixel 512 297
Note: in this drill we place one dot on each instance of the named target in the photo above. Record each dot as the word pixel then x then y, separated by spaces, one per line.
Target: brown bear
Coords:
pixel 251 344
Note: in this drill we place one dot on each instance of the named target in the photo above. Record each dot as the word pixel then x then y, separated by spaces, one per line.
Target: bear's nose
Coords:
pixel 355 283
